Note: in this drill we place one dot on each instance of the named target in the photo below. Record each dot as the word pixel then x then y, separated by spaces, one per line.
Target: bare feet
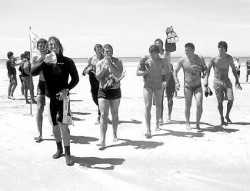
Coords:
pixel 38 139
pixel 228 119
pixel 198 127
pixel 157 128
pixel 148 135
pixel 188 127
pixel 101 144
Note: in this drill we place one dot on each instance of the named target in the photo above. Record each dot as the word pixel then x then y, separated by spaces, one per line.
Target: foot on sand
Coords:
pixel 38 139
pixel 69 160
pixel 148 135
pixel 188 127
pixel 198 127
pixel 228 119
pixel 157 128
pixel 34 102
pixel 58 154
pixel 27 102
pixel 101 145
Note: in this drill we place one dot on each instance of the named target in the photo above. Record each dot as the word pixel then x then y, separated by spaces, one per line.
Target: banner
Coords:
pixel 33 43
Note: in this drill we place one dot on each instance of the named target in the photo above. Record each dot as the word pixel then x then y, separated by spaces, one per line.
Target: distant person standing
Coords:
pixel 237 66
pixel 153 84
pixel 91 70
pixel 108 67
pixel 57 69
pixel 247 70
pixel 27 78
pixel 192 65
pixel 10 64
pixel 222 84
pixel 41 47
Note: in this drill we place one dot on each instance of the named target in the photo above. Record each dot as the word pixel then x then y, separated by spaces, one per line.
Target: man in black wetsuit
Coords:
pixel 56 69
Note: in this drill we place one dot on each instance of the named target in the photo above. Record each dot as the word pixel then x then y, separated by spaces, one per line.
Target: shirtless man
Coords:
pixel 91 70
pixel 192 66
pixel 222 84
pixel 153 84
pixel 41 47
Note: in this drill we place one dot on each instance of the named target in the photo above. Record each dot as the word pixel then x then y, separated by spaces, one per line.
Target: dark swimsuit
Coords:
pixel 193 89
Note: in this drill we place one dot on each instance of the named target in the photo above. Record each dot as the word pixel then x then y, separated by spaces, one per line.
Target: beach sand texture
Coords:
pixel 173 159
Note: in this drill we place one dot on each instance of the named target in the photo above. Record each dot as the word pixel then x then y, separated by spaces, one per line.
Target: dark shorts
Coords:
pixel 223 90
pixel 56 110
pixel 12 79
pixel 41 88
pixel 110 94
pixel 192 88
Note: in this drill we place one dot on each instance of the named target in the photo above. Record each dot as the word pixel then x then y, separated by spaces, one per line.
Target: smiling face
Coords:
pixel 42 47
pixel 189 51
pixel 53 46
pixel 108 51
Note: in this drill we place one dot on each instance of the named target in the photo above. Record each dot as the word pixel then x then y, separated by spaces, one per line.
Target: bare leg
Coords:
pixel 199 109
pixel 162 108
pixel 170 95
pixel 158 100
pixel 104 109
pixel 148 94
pixel 114 108
pixel 65 134
pixel 229 107
pixel 220 108
pixel 13 88
pixel 188 102
pixel 39 116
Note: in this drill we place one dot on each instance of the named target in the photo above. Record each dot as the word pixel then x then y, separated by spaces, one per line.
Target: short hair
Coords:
pixel 9 54
pixel 57 42
pixel 22 56
pixel 222 44
pixel 26 54
pixel 40 41
pixel 97 46
pixel 154 48
pixel 190 45
pixel 159 40
pixel 108 46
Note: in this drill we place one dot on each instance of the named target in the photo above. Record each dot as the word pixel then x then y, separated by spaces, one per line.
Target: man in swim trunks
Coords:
pixel 109 98
pixel 247 70
pixel 56 72
pixel 91 70
pixel 41 47
pixel 153 82
pixel 192 66
pixel 222 84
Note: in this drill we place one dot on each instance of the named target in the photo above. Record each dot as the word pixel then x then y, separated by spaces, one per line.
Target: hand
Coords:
pixel 48 58
pixel 164 85
pixel 205 84
pixel 177 86
pixel 237 86
pixel 63 94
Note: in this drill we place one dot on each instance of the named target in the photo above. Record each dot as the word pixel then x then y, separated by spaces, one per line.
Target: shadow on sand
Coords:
pixel 220 129
pixel 136 144
pixel 180 134
pixel 98 163
pixel 132 121
pixel 82 139
pixel 79 113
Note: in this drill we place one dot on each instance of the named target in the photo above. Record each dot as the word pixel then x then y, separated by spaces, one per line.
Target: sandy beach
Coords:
pixel 173 159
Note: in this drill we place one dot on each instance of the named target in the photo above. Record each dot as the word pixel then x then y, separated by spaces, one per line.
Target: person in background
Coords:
pixel 91 70
pixel 110 98
pixel 20 73
pixel 41 47
pixel 10 64
pixel 222 84
pixel 56 70
pixel 237 66
pixel 27 78
pixel 247 70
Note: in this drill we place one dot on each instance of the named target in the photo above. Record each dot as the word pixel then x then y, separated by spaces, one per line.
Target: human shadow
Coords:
pixel 82 139
pixel 239 123
pixel 132 121
pixel 184 122
pixel 39 141
pixel 98 163
pixel 180 134
pixel 80 113
pixel 219 129
pixel 136 144
pixel 75 100
pixel 77 119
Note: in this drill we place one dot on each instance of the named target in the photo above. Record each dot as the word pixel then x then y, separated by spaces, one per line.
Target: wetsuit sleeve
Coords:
pixel 73 74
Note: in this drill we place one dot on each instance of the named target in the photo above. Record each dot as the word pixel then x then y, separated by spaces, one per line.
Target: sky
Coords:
pixel 130 26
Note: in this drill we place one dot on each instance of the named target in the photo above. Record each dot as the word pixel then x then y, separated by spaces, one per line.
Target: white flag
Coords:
pixel 33 43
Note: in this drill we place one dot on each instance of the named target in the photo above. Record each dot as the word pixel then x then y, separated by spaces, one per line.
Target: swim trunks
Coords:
pixel 194 88
pixel 154 86
pixel 110 94
pixel 223 90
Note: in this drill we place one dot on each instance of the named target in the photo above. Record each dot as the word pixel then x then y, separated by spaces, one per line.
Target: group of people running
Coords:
pixel 159 75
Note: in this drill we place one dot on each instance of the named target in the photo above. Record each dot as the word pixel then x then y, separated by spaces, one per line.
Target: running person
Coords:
pixel 41 47
pixel 222 84
pixel 91 70
pixel 108 66
pixel 192 82
pixel 153 84
pixel 56 75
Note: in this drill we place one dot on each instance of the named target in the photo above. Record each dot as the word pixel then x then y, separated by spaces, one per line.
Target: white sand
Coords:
pixel 173 159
